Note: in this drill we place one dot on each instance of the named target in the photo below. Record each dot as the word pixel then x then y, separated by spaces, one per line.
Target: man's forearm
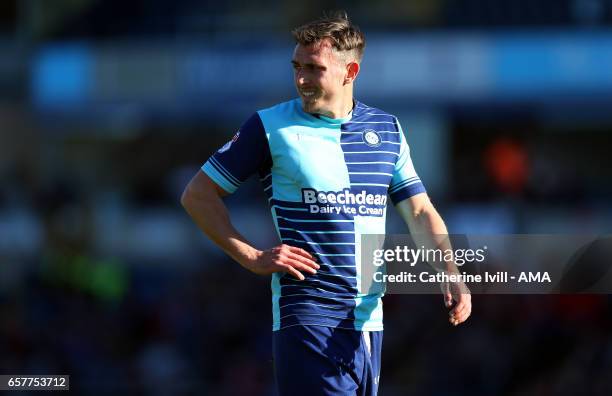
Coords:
pixel 427 229
pixel 202 200
pixel 427 221
pixel 211 216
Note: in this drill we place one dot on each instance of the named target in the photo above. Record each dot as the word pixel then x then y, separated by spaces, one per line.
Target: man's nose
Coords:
pixel 300 78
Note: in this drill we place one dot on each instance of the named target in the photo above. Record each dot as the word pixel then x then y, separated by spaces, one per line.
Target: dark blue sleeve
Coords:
pixel 247 153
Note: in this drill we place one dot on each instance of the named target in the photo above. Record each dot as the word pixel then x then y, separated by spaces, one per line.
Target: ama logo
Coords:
pixel 227 145
pixel 371 138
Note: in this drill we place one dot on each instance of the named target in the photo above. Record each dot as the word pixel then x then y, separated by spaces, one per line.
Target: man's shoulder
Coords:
pixel 281 115
pixel 285 108
pixel 363 110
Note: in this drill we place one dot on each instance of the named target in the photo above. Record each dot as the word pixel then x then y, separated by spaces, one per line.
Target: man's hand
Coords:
pixel 457 294
pixel 284 258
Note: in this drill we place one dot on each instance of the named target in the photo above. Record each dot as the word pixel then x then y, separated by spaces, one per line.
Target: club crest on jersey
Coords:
pixel 371 138
pixel 227 145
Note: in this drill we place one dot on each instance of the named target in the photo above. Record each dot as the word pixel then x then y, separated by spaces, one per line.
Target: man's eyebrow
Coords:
pixel 296 63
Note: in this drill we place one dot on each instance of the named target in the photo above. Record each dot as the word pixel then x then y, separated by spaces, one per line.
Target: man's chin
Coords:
pixel 311 105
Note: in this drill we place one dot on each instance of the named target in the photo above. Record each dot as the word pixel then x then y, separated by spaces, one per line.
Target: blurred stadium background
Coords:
pixel 107 108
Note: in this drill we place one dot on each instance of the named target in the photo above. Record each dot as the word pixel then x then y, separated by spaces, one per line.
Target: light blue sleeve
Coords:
pixel 405 182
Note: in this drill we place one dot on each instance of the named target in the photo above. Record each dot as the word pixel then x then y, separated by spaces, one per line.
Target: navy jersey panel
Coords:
pixel 247 153
pixel 319 360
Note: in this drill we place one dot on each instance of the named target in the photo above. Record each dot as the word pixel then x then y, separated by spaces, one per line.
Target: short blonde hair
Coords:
pixel 337 28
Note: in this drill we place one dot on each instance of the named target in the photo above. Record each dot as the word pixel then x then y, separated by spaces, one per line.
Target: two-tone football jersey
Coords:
pixel 327 182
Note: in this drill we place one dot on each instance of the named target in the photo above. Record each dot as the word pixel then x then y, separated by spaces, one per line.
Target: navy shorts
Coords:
pixel 319 360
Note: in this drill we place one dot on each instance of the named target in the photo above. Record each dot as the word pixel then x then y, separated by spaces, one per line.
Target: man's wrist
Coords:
pixel 250 257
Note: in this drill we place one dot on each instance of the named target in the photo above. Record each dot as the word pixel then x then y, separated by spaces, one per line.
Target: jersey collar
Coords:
pixel 336 121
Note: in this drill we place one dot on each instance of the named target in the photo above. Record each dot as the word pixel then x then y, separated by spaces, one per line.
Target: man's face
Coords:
pixel 319 75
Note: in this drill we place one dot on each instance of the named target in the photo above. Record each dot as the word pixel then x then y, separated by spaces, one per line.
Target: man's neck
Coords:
pixel 341 110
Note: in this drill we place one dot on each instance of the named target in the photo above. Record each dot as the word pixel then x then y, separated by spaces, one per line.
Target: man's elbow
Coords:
pixel 199 191
pixel 186 198
pixel 422 207
pixel 190 196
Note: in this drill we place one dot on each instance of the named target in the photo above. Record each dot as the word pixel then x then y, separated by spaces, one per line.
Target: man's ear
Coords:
pixel 352 70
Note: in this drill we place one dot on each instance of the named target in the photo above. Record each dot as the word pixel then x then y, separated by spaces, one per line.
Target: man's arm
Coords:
pixel 202 200
pixel 426 224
